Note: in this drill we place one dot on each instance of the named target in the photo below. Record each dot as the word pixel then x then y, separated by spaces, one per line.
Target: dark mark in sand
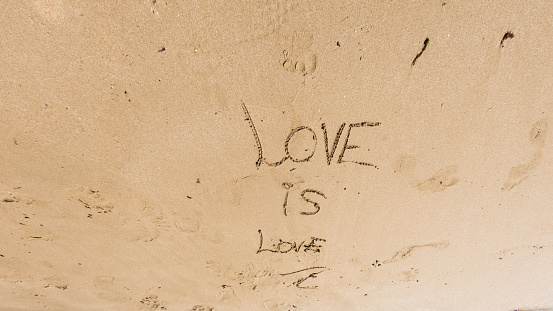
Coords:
pixel 420 53
pixel 506 36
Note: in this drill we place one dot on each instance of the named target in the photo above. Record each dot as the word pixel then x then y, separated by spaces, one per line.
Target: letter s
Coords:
pixel 315 204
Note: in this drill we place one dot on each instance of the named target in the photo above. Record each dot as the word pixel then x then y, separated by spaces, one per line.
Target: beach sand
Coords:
pixel 276 155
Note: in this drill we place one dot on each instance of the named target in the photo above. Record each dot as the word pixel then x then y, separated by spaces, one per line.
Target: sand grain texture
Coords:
pixel 276 155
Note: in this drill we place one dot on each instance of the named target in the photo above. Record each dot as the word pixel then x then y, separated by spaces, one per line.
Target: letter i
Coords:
pixel 287 186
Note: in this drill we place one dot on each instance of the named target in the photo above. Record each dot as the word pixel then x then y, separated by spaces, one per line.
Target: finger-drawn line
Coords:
pixel 283 274
pixel 255 135
pixel 310 276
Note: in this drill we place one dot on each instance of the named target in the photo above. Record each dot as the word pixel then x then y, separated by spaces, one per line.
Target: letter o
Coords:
pixel 279 247
pixel 292 133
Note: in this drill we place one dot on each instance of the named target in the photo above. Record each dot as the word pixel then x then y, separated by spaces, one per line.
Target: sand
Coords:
pixel 276 155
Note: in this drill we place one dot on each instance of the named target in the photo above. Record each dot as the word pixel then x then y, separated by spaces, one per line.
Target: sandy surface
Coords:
pixel 276 155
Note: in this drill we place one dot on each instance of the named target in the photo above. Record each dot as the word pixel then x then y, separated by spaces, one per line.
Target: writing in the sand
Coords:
pixel 311 198
pixel 309 150
pixel 313 246
pixel 313 202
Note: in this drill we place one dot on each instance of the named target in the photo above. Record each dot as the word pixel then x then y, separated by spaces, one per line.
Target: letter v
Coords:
pixel 330 155
pixel 298 247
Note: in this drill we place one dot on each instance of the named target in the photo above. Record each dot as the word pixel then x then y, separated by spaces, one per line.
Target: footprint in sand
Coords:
pixel 152 302
pixel 296 55
pixel 93 200
pixel 56 281
pixel 12 196
pixel 304 64
pixel 520 172
pixel 441 180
